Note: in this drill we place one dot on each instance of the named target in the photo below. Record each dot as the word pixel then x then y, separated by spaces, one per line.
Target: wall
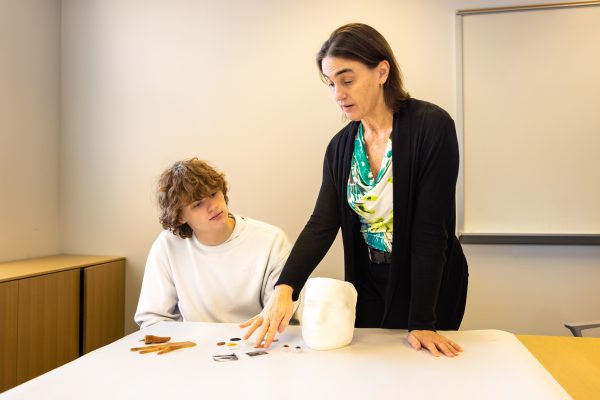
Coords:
pixel 29 127
pixel 146 83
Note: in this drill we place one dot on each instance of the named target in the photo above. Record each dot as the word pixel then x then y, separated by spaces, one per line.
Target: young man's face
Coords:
pixel 206 215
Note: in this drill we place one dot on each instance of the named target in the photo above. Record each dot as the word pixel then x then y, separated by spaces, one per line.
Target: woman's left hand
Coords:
pixel 434 342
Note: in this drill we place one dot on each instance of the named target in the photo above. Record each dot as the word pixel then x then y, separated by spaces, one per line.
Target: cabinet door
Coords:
pixel 103 304
pixel 48 322
pixel 9 292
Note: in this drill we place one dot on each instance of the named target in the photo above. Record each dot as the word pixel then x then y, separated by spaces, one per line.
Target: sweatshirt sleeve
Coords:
pixel 280 251
pixel 158 298
pixel 318 233
pixel 433 215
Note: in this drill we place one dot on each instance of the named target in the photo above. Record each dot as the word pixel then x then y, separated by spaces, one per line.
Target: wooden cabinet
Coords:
pixel 48 328
pixel 9 298
pixel 54 309
pixel 103 315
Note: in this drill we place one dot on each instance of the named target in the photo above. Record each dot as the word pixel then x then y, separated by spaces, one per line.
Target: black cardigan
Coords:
pixel 428 276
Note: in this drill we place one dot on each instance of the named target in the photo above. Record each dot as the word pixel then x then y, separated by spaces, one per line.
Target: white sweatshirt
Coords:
pixel 187 280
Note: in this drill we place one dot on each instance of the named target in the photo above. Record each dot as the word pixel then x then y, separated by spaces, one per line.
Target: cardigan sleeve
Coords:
pixel 318 233
pixel 434 213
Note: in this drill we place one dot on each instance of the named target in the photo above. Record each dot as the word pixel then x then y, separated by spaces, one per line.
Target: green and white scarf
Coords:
pixel 372 198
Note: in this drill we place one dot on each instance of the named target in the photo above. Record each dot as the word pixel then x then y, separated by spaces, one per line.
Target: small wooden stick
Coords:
pixel 146 347
pixel 152 350
pixel 176 347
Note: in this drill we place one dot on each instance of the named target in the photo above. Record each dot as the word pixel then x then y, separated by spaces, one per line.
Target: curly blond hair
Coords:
pixel 184 182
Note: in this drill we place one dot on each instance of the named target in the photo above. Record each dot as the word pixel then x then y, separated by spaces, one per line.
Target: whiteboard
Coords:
pixel 529 95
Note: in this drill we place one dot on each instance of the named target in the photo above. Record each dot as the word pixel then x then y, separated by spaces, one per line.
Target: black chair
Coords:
pixel 577 327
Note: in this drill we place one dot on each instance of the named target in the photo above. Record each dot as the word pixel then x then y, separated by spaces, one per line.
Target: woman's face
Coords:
pixel 356 88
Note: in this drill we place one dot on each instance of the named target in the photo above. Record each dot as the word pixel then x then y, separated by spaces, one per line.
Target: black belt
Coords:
pixel 379 257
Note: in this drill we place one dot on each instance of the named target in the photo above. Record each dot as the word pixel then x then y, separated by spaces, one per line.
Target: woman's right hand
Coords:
pixel 275 317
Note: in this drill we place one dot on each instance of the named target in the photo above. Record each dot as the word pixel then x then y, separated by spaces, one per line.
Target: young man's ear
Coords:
pixel 225 196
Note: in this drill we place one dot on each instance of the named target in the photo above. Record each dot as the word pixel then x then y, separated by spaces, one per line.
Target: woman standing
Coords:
pixel 389 181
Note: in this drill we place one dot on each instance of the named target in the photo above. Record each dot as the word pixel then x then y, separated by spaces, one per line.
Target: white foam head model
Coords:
pixel 329 313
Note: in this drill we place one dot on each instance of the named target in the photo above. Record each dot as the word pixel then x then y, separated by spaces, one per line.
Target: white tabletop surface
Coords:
pixel 379 364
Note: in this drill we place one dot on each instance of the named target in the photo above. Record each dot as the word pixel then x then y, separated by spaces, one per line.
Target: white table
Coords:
pixel 379 364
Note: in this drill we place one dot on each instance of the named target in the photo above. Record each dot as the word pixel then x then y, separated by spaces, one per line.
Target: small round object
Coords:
pixel 297 349
pixel 235 339
pixel 285 348
pixel 232 344
pixel 220 343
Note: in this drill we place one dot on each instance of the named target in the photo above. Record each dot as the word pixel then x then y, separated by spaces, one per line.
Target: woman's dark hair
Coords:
pixel 184 182
pixel 360 42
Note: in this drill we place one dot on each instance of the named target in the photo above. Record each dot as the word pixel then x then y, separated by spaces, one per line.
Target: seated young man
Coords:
pixel 207 265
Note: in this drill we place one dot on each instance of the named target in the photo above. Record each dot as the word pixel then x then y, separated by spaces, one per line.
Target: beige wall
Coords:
pixel 149 82
pixel 29 127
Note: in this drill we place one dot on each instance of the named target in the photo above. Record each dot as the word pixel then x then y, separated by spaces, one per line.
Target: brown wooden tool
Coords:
pixel 163 348
pixel 151 339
